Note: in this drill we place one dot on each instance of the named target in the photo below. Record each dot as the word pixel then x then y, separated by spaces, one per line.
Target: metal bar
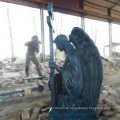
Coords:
pixel 22 91
pixel 11 93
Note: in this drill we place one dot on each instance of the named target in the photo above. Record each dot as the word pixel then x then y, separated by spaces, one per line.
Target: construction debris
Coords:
pixel 108 109
pixel 11 81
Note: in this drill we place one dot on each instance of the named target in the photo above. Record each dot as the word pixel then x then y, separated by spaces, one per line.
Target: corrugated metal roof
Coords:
pixel 112 4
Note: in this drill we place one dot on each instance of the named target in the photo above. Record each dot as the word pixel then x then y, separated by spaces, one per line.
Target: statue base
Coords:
pixel 66 114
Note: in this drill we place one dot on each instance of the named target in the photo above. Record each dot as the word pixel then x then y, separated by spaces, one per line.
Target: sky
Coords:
pixel 22 26
pixel 25 22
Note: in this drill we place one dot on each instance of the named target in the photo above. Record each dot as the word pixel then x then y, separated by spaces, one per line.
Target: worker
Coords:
pixel 33 47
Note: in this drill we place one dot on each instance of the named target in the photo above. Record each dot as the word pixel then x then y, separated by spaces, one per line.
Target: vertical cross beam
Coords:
pixel 51 79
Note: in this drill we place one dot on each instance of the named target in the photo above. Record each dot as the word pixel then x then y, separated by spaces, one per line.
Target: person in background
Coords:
pixel 33 47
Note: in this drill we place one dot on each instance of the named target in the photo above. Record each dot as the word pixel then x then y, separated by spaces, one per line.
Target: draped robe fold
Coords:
pixel 71 83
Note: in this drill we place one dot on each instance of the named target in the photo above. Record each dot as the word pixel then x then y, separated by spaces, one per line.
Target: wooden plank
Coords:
pixel 73 4
pixel 24 3
pixel 115 14
pixel 95 8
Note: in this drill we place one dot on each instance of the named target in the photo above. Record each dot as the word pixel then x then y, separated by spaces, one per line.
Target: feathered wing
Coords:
pixel 92 72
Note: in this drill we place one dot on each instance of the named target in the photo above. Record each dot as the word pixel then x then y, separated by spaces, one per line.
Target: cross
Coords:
pixel 51 79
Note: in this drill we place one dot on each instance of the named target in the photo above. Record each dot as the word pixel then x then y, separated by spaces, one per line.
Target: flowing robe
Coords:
pixel 71 84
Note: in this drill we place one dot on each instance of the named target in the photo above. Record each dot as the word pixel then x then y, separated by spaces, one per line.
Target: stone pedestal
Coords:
pixel 67 114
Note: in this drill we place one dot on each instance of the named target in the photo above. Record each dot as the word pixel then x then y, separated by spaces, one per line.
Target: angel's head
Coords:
pixel 75 36
pixel 62 42
pixel 79 37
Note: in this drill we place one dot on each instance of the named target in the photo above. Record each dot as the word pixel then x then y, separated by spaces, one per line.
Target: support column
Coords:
pixel 82 16
pixel 110 39
pixel 42 33
pixel 83 23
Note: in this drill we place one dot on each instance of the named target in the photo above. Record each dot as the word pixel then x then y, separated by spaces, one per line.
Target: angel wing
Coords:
pixel 91 66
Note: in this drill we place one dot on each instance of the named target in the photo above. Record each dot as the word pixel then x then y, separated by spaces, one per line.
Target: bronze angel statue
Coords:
pixel 78 83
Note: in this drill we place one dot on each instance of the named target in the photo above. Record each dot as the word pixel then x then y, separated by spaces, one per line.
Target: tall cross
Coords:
pixel 51 79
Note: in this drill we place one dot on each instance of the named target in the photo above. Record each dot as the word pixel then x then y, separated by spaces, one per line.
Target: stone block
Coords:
pixel 112 118
pixel 34 116
pixel 109 102
pixel 35 113
pixel 25 115
pixel 27 109
pixel 43 116
pixel 36 110
pixel 104 92
pixel 118 116
pixel 109 113
pixel 117 108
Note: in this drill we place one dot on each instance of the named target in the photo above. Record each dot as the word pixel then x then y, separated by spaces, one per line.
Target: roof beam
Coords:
pixel 74 7
pixel 115 4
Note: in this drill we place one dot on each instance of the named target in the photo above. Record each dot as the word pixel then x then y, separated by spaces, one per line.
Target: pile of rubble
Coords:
pixel 12 74
pixel 35 114
pixel 109 104
pixel 108 109
pixel 111 64
pixel 39 112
